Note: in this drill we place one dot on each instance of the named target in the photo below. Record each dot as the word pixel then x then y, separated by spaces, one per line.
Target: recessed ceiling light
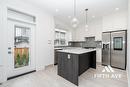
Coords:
pixel 93 16
pixel 116 9
pixel 69 16
pixel 57 10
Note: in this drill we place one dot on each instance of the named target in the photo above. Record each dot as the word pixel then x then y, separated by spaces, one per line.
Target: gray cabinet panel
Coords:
pixel 68 67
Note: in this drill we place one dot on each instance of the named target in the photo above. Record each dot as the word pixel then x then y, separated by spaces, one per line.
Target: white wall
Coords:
pixel 94 29
pixel 62 26
pixel 111 22
pixel 128 44
pixel 59 24
pixel 115 21
pixel 44 33
pixel 3 48
pixel 44 52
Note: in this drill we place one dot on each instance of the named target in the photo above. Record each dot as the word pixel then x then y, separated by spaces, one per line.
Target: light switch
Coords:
pixel 49 41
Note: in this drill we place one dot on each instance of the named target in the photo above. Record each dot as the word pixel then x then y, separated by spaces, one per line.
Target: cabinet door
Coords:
pixel 65 66
pixel 68 61
pixel 68 67
pixel 99 55
pixel 61 64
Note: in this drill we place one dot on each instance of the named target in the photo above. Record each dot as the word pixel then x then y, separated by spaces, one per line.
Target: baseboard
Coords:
pixel 56 64
pixel 40 68
pixel 99 63
pixel 49 65
pixel 20 75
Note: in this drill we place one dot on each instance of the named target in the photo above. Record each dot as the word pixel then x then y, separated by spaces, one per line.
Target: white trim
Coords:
pixel 20 21
pixel 12 9
pixel 60 30
pixel 128 78
pixel 40 68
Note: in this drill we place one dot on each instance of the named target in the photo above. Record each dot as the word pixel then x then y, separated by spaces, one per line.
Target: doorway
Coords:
pixel 21 56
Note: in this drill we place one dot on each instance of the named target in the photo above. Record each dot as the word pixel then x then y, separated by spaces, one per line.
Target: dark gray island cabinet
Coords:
pixel 72 63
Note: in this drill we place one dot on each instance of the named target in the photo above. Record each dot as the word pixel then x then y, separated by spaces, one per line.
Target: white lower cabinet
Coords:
pixel 99 55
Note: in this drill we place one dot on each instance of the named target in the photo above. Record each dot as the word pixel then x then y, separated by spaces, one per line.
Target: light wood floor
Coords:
pixel 49 78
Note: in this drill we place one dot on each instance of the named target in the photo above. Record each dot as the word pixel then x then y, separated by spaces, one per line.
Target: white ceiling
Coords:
pixel 97 8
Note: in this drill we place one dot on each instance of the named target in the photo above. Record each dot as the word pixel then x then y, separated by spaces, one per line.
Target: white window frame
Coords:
pixel 60 38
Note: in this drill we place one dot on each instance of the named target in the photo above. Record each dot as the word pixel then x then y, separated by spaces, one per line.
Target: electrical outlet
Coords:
pixel 68 56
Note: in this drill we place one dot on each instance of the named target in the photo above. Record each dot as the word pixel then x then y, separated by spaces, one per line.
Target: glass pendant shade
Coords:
pixel 74 25
pixel 74 19
pixel 74 22
pixel 86 27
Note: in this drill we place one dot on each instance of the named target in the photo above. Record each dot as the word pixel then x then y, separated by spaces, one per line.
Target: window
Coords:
pixel 118 43
pixel 21 49
pixel 60 38
pixel 21 35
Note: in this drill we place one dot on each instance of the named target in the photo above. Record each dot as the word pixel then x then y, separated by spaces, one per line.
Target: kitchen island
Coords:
pixel 75 61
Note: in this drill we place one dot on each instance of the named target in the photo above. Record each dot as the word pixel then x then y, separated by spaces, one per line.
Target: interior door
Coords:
pixel 118 49
pixel 21 44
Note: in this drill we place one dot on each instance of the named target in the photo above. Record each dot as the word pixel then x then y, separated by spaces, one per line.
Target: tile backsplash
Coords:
pixel 98 44
pixel 90 42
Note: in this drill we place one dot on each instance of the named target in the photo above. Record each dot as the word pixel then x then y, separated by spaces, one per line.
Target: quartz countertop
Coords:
pixel 76 50
pixel 58 48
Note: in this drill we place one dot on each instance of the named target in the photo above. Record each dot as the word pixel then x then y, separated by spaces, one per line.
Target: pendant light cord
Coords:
pixel 74 8
pixel 86 15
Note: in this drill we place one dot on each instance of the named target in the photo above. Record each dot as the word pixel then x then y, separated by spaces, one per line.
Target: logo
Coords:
pixel 108 69
pixel 111 73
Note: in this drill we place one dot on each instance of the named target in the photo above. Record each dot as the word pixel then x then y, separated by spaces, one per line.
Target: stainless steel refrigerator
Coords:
pixel 114 48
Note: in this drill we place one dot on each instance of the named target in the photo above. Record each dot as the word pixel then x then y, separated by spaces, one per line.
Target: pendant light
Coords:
pixel 74 20
pixel 86 20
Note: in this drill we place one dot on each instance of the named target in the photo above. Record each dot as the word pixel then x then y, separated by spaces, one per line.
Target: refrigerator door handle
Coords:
pixel 107 46
pixel 103 46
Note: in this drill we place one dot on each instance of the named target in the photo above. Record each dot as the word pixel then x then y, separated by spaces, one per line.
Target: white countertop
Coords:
pixel 77 50
pixel 58 48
